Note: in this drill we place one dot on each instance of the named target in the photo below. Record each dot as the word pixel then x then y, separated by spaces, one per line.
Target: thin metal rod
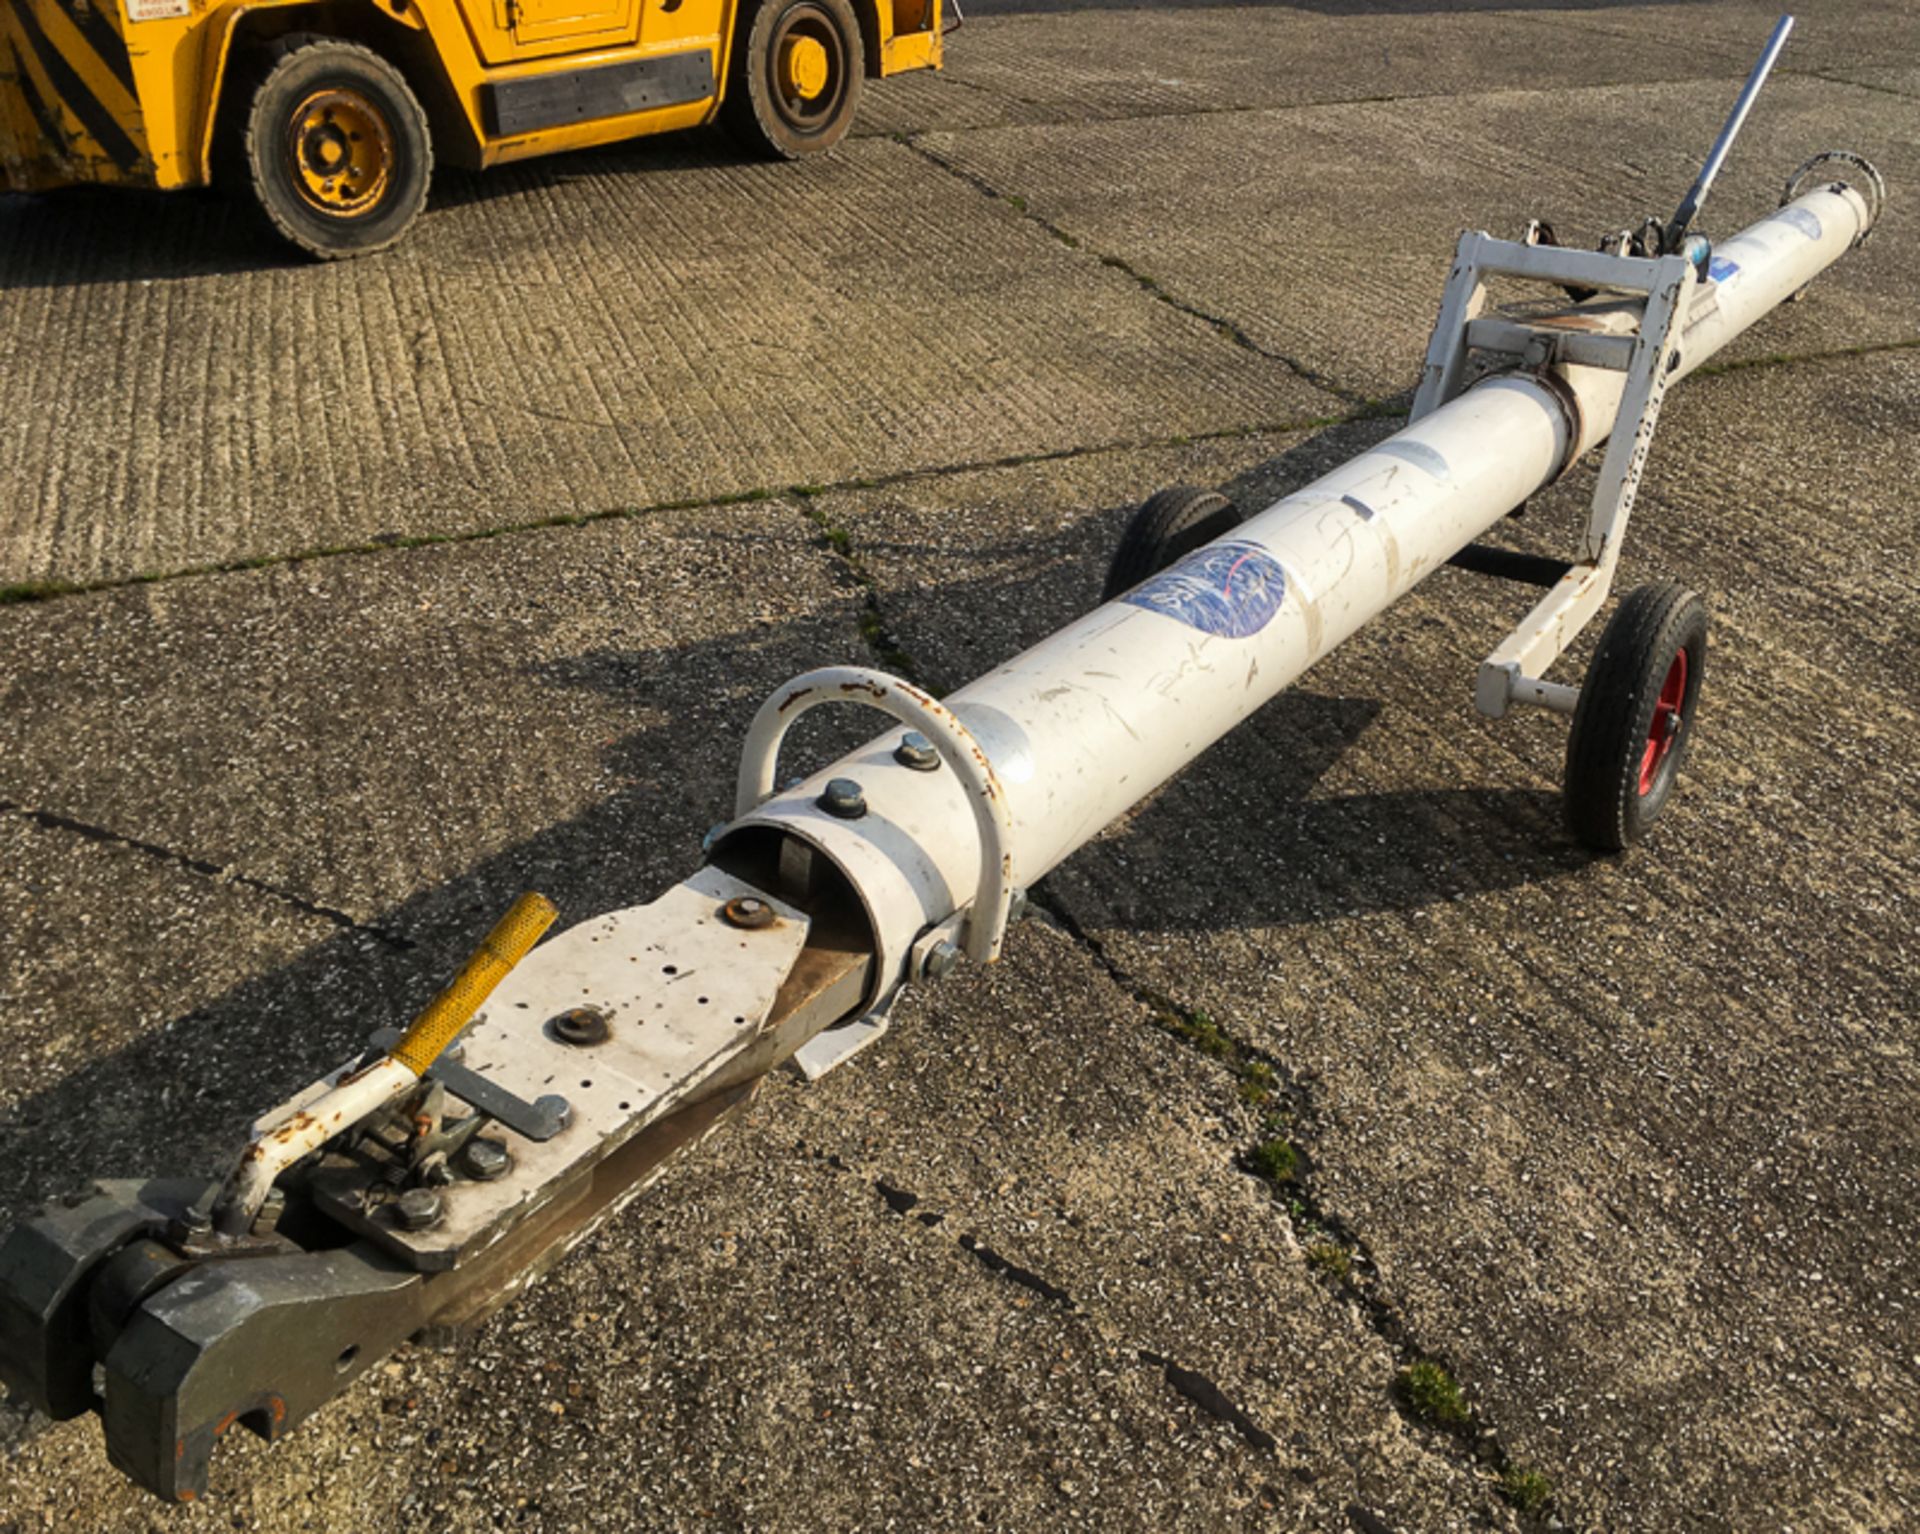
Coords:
pixel 1703 183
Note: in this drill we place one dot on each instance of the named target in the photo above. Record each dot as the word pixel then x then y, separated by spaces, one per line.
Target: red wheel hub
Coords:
pixel 1664 729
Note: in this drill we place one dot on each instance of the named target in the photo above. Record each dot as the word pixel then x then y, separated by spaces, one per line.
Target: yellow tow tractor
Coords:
pixel 331 113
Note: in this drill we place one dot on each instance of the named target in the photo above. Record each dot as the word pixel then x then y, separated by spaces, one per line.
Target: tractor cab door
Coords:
pixel 582 23
pixel 509 31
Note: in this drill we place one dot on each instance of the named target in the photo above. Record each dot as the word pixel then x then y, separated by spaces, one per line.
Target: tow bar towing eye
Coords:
pixel 426 1182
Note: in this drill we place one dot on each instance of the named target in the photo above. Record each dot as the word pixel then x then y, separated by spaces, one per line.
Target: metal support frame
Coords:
pixel 1513 673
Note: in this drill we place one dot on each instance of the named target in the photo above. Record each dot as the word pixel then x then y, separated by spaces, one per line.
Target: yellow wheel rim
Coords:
pixel 804 67
pixel 341 147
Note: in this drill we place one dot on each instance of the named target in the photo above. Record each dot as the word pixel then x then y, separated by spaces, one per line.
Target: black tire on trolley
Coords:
pixel 333 146
pixel 1167 525
pixel 793 83
pixel 1634 721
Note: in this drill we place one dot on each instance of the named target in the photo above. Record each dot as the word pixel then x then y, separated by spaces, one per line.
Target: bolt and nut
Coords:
pixel 844 799
pixel 580 1026
pixel 418 1208
pixel 484 1160
pixel 917 752
pixel 939 961
pixel 746 911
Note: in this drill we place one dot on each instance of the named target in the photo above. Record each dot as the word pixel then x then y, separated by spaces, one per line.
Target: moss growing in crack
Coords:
pixel 1018 204
pixel 1528 1490
pixel 873 630
pixel 1257 1083
pixel 1276 1160
pixel 1433 1395
pixel 36 591
pixel 1330 1258
pixel 1198 1030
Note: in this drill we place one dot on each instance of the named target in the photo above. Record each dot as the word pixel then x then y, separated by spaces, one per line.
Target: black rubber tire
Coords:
pixel 1169 524
pixel 1606 806
pixel 758 114
pixel 285 75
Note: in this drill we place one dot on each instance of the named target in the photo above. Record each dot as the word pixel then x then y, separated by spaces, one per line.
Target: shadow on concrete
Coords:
pixel 84 236
pixel 1236 841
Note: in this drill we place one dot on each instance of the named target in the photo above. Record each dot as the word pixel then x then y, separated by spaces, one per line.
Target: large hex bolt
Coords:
pixel 844 799
pixel 917 752
pixel 484 1160
pixel 418 1208
pixel 939 961
pixel 747 911
pixel 580 1026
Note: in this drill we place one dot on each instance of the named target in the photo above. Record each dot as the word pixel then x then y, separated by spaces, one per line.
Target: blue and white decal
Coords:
pixel 1802 219
pixel 1720 269
pixel 1229 589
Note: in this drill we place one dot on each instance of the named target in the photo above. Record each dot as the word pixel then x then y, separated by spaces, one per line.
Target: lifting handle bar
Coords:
pixel 1716 157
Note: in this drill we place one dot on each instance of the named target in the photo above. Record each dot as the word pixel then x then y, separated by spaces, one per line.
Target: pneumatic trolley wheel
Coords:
pixel 334 147
pixel 793 83
pixel 1169 524
pixel 1634 720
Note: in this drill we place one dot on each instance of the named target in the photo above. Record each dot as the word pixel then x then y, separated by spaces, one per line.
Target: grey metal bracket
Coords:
pixel 1639 340
pixel 541 1119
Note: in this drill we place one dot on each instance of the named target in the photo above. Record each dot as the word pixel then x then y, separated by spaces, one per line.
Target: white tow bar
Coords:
pixel 427 1182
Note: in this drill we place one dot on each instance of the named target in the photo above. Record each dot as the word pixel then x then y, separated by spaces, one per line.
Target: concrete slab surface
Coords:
pixel 1332 247
pixel 1027 64
pixel 440 701
pixel 1335 1058
pixel 593 334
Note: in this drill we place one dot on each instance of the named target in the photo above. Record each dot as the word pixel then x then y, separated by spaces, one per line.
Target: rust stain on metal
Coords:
pixel 793 698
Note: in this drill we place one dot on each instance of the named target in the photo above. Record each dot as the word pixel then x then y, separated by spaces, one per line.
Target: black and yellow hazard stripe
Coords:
pixel 77 79
pixel 44 117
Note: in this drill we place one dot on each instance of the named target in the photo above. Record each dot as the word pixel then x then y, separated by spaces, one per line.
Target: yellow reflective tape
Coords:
pixel 509 942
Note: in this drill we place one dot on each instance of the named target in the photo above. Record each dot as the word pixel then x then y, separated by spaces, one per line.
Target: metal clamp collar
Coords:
pixel 1875 191
pixel 759 759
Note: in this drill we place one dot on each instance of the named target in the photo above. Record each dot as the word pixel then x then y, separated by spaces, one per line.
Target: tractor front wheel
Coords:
pixel 335 147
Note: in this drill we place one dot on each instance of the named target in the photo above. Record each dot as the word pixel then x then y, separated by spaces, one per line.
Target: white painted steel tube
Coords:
pixel 348 1101
pixel 1089 721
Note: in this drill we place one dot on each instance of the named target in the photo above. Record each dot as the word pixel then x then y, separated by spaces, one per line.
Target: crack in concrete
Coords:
pixel 50 820
pixel 873 627
pixel 1221 324
pixel 1356 1276
pixel 1198 1388
pixel 47 590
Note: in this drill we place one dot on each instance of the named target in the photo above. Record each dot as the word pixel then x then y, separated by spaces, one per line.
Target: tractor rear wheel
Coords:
pixel 794 81
pixel 334 147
